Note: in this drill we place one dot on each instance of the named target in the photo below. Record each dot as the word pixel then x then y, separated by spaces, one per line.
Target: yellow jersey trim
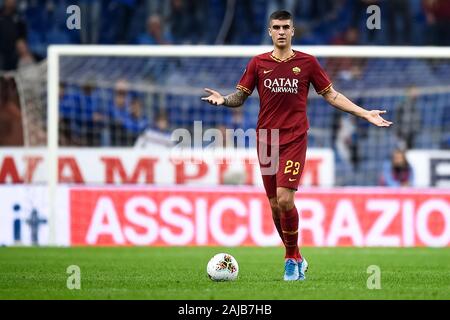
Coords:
pixel 242 88
pixel 279 60
pixel 325 90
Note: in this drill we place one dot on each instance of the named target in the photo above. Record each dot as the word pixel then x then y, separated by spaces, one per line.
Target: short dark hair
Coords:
pixel 281 15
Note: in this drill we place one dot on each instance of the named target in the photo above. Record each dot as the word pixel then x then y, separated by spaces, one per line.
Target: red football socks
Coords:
pixel 289 225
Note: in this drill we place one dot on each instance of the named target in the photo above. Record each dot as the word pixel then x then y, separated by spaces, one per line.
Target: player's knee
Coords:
pixel 285 202
pixel 285 199
pixel 286 205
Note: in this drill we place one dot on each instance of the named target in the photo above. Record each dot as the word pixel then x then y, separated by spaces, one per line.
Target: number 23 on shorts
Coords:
pixel 293 167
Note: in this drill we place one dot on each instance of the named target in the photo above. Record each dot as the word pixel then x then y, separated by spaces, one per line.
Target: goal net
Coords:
pixel 101 100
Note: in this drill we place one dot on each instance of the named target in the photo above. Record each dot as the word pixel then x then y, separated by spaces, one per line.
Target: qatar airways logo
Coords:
pixel 284 85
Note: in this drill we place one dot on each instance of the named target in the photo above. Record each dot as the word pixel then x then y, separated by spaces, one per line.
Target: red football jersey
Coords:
pixel 283 87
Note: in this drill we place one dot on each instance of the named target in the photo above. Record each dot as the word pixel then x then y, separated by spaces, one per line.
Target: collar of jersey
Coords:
pixel 279 60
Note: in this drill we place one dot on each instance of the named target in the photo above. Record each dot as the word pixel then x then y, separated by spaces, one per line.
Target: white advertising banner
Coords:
pixel 158 165
pixel 431 167
pixel 24 215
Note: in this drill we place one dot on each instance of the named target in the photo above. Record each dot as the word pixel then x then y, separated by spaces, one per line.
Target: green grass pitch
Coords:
pixel 180 273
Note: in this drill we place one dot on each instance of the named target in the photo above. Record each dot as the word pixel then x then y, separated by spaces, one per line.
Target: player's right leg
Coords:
pixel 291 270
pixel 291 265
pixel 289 224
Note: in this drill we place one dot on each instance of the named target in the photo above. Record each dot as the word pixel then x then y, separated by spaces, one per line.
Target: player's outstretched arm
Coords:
pixel 233 100
pixel 338 100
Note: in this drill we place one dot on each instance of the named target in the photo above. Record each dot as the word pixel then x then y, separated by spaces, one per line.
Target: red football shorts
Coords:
pixel 284 170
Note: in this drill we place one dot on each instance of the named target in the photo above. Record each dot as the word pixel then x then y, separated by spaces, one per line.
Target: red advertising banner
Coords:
pixel 241 216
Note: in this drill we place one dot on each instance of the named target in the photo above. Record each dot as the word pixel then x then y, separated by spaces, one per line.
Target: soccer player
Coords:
pixel 282 78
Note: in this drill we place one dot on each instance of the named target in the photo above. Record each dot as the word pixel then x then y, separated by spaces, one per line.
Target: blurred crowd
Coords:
pixel 91 117
pixel 27 27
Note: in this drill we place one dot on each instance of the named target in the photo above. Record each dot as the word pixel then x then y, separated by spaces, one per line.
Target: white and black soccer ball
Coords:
pixel 222 267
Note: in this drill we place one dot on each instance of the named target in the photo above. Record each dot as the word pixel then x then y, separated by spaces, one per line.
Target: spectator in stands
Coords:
pixel 80 117
pixel 155 33
pixel 407 119
pixel 158 134
pixel 135 121
pixel 67 113
pixel 25 57
pixel 12 28
pixel 397 172
pixel 118 110
pixel 90 118
pixel 162 122
pixel 437 14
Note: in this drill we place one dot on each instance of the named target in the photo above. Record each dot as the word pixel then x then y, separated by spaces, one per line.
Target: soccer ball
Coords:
pixel 222 267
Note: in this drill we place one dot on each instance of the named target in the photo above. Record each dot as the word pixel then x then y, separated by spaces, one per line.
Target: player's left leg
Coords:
pixel 292 162
pixel 289 224
pixel 276 215
pixel 270 185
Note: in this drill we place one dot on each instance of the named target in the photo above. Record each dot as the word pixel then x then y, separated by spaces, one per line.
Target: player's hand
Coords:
pixel 214 97
pixel 374 117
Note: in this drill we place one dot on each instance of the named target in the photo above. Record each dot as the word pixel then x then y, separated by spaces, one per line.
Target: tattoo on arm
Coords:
pixel 235 99
pixel 337 94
